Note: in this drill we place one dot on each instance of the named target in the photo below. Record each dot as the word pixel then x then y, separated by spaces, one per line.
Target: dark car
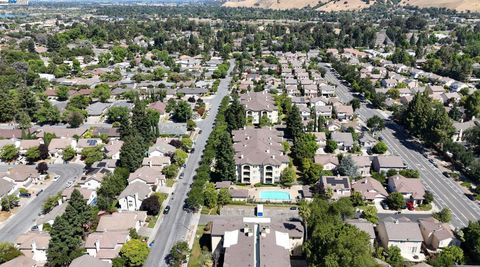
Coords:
pixel 293 208
pixel 26 195
pixel 39 192
pixel 166 210
pixel 384 205
pixel 181 175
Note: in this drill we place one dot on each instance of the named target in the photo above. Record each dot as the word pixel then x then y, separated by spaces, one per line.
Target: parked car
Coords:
pixel 26 195
pixel 384 205
pixel 166 210
pixel 35 228
pixel 151 244
pixel 56 177
pixel 181 175
pixel 69 184
pixel 39 192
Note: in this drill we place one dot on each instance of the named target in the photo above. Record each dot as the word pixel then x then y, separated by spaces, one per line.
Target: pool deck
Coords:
pixel 294 191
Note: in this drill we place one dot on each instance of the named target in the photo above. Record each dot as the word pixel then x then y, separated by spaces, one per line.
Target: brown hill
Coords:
pixel 346 5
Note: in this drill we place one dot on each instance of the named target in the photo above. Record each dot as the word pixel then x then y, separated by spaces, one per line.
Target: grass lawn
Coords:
pixel 170 182
pixel 195 259
pixel 207 211
pixel 424 207
pixel 152 221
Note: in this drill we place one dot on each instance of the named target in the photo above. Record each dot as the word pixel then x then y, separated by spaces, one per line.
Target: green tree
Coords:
pixel 47 114
pixel 347 167
pixel 8 252
pixel 294 123
pixel 210 196
pixel 376 123
pixel 178 254
pixel 62 93
pixel 288 176
pixel 33 154
pixel 91 155
pixel 112 185
pixel 331 146
pixel 311 171
pixel 102 92
pixel 355 104
pixel 132 152
pixel 472 104
pixel 182 111
pixel 445 215
pixel 187 143
pixel 75 118
pixel 395 200
pixel 118 114
pixel 304 146
pixel 449 256
pixel 471 245
pixel 235 115
pixel 394 256
pixel 179 157
pixel 50 203
pixel 370 214
pixel 151 205
pixel 380 148
pixel 170 171
pixel 224 197
pixel 69 153
pixel 9 152
pixel 134 253
pixel 225 167
pixel 9 202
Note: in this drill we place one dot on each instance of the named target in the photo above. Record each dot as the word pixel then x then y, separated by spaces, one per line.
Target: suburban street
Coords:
pixel 25 218
pixel 177 223
pixel 447 193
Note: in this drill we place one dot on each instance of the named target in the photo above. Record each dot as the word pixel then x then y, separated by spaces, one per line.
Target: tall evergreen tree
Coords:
pixel 235 115
pixel 142 122
pixel 132 152
pixel 294 123
pixel 224 158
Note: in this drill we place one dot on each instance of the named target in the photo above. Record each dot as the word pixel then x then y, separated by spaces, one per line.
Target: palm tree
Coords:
pixel 304 212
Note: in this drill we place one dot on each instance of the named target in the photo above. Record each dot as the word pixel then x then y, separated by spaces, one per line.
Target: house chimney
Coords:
pixel 268 150
pixel 97 245
pixel 241 156
pixel 273 156
pixel 34 246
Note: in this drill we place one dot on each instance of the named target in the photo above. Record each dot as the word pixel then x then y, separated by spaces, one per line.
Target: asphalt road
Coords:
pixel 175 225
pixel 447 193
pixel 25 218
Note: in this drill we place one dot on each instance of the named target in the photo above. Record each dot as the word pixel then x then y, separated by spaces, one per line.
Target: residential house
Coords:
pixel 93 179
pixel 364 226
pixel 343 112
pixel 161 148
pixel 132 196
pixel 122 221
pixel 105 245
pixel 411 188
pixel 237 241
pixel 50 217
pixel 344 140
pixel 239 194
pixel 20 261
pixel 436 235
pixel 327 91
pixel 34 245
pixel 404 234
pixel 157 161
pixel 87 142
pixel 158 106
pixel 370 188
pixel 58 145
pixel 21 175
pixel 7 187
pixel 328 161
pixel 259 104
pixel 151 176
pixel 26 144
pixel 384 163
pixel 337 186
pixel 259 155
pixel 87 260
pixel 363 164
pixel 113 148
pixel 90 196
pixel 461 127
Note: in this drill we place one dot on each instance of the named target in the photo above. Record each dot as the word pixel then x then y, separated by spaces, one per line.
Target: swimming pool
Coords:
pixel 274 195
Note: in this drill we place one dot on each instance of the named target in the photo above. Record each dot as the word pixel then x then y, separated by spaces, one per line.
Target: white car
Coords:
pixel 56 177
pixel 69 184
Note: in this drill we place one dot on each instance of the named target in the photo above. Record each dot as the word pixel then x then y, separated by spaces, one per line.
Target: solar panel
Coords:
pixel 333 182
pixel 92 142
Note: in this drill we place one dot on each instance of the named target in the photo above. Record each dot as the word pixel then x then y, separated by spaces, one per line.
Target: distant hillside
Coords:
pixel 346 5
pixel 459 5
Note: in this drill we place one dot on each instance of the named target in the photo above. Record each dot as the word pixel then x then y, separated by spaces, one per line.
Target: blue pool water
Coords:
pixel 274 195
